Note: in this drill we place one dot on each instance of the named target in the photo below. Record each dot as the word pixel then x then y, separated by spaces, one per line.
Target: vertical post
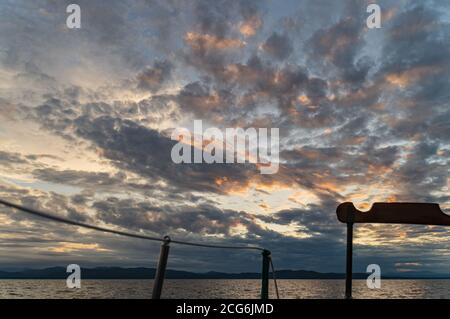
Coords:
pixel 265 274
pixel 349 264
pixel 159 276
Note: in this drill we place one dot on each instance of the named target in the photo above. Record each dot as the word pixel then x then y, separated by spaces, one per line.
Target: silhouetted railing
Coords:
pixel 386 213
pixel 165 247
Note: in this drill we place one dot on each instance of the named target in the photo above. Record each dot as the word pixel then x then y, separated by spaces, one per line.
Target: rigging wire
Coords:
pixel 274 278
pixel 117 232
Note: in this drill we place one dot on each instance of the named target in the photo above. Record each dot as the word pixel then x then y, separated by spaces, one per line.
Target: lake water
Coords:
pixel 174 288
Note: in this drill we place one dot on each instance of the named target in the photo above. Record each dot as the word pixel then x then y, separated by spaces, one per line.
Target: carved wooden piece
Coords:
pixel 394 213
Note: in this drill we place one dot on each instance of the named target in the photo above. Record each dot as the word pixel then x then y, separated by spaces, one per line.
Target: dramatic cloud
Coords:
pixel 152 78
pixel 278 46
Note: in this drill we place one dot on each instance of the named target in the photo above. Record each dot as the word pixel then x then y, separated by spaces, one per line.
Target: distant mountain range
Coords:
pixel 149 273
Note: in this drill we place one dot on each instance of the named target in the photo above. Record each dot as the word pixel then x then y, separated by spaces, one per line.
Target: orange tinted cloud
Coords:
pixel 250 26
pixel 304 99
pixel 69 247
pixel 329 186
pixel 199 42
pixel 405 78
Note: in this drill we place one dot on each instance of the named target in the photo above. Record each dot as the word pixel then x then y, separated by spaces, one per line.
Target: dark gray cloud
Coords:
pixel 200 220
pixel 147 152
pixel 337 48
pixel 7 158
pixel 152 78
pixel 278 45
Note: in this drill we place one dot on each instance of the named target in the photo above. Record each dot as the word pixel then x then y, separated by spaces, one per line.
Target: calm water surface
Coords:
pixel 221 289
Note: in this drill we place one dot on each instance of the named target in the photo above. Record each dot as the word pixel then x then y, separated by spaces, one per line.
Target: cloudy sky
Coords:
pixel 86 117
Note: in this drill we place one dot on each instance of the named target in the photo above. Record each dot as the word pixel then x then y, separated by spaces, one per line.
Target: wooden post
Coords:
pixel 349 264
pixel 265 274
pixel 159 276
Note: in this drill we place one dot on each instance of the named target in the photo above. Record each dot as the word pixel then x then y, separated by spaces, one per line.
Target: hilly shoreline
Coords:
pixel 149 273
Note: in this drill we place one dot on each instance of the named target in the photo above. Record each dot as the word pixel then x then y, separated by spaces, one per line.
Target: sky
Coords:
pixel 86 117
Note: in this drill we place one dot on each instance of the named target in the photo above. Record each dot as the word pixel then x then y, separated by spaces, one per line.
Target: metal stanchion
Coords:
pixel 159 276
pixel 265 274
